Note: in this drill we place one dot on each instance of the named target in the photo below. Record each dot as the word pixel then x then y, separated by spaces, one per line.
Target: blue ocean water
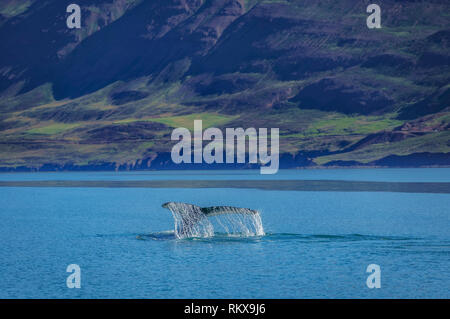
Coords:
pixel 317 244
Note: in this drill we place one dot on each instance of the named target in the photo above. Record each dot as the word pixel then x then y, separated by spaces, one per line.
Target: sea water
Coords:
pixel 315 244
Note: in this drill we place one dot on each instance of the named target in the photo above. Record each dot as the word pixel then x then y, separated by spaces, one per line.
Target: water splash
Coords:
pixel 192 221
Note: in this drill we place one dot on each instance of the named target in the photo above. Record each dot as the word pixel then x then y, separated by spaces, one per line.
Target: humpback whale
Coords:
pixel 214 210
pixel 189 217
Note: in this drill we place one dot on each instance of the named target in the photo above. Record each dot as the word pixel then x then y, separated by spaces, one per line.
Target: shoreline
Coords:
pixel 21 169
pixel 163 161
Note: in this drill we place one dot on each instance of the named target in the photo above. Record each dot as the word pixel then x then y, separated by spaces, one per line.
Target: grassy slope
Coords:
pixel 37 129
pixel 187 121
pixel 433 142
pixel 59 142
pixel 300 130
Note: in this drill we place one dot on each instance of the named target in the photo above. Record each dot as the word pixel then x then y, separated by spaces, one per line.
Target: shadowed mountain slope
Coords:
pixel 109 94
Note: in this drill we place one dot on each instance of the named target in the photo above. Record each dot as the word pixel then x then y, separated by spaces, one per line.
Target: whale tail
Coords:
pixel 213 210
pixel 188 216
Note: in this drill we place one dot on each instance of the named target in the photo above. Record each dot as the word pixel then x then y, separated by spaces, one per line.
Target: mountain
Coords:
pixel 108 95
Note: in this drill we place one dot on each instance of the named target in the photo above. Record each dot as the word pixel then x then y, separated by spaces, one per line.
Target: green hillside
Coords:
pixel 109 95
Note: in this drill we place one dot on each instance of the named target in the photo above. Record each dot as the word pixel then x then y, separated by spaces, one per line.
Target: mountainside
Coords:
pixel 108 95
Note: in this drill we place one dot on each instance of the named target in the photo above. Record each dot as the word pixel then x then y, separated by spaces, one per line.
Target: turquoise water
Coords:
pixel 317 244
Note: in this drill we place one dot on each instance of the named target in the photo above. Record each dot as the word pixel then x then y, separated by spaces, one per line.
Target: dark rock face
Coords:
pixel 331 95
pixel 142 43
pixel 208 85
pixel 8 125
pixel 127 96
pixel 434 103
pixel 390 63
pixel 35 43
pixel 221 39
pixel 300 67
pixel 432 60
pixel 415 160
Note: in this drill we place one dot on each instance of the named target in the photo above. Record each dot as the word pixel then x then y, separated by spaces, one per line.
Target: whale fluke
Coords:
pixel 214 210
pixel 188 216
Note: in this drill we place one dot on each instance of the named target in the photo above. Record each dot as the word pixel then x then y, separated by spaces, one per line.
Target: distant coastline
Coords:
pixel 279 185
pixel 162 161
